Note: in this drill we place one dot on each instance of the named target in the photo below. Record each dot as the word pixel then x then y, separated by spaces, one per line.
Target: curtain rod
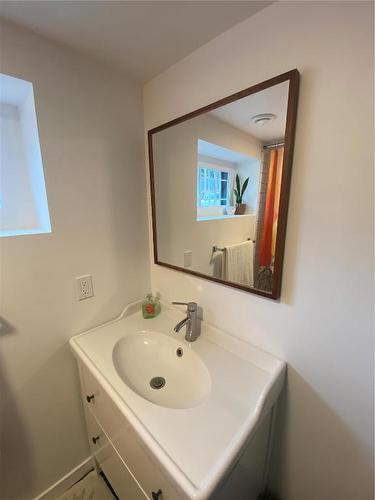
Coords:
pixel 276 145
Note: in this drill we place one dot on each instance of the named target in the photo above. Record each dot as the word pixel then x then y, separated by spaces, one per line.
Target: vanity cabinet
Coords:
pixel 169 444
pixel 133 472
pixel 129 467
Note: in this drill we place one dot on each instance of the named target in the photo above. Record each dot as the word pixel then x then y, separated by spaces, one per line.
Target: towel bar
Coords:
pixel 222 249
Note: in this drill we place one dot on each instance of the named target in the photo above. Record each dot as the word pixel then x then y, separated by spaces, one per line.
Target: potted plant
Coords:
pixel 239 192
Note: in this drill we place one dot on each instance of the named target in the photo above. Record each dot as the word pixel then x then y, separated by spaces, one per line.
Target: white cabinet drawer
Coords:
pixel 101 405
pixel 144 468
pixel 121 480
pixel 135 455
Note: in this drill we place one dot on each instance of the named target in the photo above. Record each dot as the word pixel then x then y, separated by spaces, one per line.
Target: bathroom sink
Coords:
pixel 161 369
pixel 194 413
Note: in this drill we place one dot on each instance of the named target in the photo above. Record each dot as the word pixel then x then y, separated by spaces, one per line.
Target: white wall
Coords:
pixel 90 128
pixel 250 170
pixel 322 325
pixel 176 154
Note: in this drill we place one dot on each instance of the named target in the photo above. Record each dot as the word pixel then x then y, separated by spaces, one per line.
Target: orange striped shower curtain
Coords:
pixel 271 210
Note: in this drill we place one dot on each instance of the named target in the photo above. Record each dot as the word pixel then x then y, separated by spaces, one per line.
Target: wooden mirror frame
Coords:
pixel 293 78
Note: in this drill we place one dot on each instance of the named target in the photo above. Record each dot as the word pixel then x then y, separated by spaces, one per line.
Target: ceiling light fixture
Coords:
pixel 263 119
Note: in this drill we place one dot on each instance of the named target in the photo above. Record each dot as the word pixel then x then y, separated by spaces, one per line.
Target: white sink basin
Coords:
pixel 161 369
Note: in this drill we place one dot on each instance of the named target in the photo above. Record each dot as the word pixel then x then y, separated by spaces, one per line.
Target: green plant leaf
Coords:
pixel 244 186
pixel 238 184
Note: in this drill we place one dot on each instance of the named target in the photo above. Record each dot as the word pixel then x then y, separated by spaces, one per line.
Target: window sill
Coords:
pixel 221 217
pixel 23 232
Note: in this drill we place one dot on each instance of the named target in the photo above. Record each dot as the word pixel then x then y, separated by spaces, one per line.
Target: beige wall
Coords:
pixel 90 128
pixel 322 325
pixel 175 152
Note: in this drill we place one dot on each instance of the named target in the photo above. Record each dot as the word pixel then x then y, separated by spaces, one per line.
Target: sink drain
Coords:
pixel 157 382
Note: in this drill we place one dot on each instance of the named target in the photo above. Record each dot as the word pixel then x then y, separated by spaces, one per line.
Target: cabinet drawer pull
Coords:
pixel 89 398
pixel 95 439
pixel 155 496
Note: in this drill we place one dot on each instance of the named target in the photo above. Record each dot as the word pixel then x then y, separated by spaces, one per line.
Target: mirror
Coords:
pixel 220 179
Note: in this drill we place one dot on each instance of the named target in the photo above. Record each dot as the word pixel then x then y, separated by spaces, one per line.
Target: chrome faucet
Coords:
pixel 191 321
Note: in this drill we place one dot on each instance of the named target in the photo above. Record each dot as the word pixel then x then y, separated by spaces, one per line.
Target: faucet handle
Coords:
pixel 191 306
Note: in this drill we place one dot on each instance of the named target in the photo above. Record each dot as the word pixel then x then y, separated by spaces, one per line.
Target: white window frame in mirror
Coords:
pixel 217 211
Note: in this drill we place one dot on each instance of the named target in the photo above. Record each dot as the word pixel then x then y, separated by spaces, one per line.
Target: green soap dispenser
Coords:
pixel 150 307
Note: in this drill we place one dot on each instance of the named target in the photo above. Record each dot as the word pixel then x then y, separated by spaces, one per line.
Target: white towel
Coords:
pixel 217 262
pixel 239 263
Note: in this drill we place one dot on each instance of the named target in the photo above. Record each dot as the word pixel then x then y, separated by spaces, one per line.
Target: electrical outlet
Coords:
pixel 188 258
pixel 84 287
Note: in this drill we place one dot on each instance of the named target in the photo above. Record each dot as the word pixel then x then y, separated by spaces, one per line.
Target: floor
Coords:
pixel 91 487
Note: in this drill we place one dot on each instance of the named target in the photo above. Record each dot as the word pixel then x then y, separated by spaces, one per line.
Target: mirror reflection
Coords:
pixel 217 188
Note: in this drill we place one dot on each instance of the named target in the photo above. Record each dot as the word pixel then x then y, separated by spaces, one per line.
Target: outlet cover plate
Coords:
pixel 188 258
pixel 84 288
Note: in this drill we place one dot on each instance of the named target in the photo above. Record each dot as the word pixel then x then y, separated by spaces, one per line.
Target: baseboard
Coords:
pixel 67 481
